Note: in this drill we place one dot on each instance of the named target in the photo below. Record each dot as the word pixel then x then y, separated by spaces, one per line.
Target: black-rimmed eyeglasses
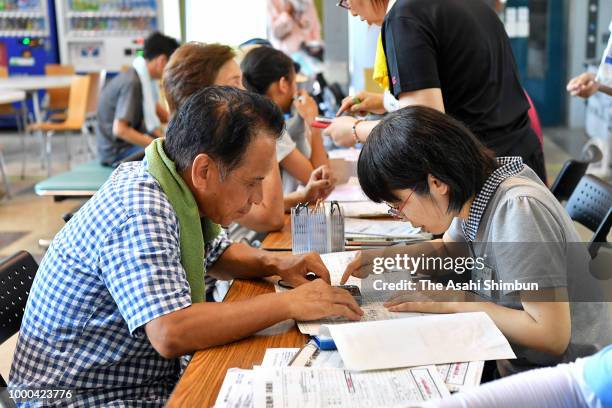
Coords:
pixel 344 4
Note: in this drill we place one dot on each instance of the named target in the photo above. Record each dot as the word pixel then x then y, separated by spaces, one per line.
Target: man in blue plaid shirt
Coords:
pixel 111 311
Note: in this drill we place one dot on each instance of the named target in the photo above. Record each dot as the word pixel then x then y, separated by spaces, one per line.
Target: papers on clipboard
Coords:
pixel 420 340
pixel 289 387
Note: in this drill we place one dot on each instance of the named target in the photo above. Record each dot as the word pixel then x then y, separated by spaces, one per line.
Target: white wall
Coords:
pixel 228 22
pixel 172 18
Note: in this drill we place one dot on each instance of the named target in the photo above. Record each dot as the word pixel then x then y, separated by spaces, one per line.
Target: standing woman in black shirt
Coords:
pixel 453 56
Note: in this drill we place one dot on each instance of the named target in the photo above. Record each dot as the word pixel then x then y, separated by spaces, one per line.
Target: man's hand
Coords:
pixel 306 107
pixel 341 131
pixel 320 185
pixel 363 102
pixel 317 300
pixel 583 85
pixel 293 269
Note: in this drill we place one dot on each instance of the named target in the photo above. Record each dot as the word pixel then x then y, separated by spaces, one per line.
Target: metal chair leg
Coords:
pixel 67 145
pixel 24 135
pixel 7 185
pixel 48 148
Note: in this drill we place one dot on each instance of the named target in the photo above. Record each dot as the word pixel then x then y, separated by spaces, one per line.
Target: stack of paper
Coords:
pixel 372 231
pixel 364 209
pixel 311 388
pixel 456 376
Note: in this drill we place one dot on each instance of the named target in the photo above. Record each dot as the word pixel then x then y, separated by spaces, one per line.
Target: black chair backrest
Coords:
pixel 16 277
pixel 591 205
pixel 568 178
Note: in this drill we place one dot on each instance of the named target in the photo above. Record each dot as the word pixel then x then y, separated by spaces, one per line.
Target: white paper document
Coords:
pixel 290 387
pixel 456 376
pixel 461 376
pixel 350 154
pixel 336 263
pixel 237 389
pixel 308 356
pixel 278 357
pixel 348 192
pixel 419 340
pixel 372 305
pixel 372 311
pixel 363 209
pixel 381 228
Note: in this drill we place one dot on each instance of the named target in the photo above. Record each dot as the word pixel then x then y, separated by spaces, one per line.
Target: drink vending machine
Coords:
pixel 28 38
pixel 99 35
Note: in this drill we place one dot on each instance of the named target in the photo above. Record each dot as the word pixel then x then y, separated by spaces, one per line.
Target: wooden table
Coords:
pixel 279 240
pixel 200 384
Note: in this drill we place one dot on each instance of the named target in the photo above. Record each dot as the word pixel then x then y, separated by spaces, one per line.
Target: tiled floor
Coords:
pixel 40 217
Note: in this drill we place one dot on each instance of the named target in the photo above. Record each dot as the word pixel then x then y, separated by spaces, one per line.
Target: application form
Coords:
pixel 289 387
pixel 456 376
pixel 372 304
pixel 237 389
pixel 461 376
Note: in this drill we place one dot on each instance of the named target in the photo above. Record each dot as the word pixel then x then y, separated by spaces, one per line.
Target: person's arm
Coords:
pixel 307 109
pixel 208 324
pixel 162 113
pixel 314 33
pixel 269 214
pixel 128 114
pixel 298 166
pixel 125 132
pixel 550 387
pixel 341 129
pixel 319 155
pixel 280 20
pixel 319 186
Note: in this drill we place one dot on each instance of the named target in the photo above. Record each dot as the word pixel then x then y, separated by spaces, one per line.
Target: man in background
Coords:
pixel 129 112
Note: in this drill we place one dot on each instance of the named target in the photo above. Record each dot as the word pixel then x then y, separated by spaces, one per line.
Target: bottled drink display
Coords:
pixel 19 5
pixel 93 17
pixel 110 5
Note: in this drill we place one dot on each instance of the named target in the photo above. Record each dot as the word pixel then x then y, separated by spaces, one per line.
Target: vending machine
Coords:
pixel 99 35
pixel 28 38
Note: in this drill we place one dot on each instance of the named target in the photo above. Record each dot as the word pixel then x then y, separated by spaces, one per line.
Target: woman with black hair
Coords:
pixel 433 172
pixel 300 150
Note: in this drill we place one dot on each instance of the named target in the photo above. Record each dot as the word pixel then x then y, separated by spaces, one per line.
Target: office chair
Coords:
pixel 16 277
pixel 569 176
pixel 591 205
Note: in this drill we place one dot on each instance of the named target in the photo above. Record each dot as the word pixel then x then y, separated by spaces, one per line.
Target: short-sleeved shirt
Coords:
pixel 526 236
pixel 284 146
pixel 461 47
pixel 112 269
pixel 121 99
pixel 296 128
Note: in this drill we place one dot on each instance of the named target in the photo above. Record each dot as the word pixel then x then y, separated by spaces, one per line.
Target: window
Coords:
pixel 228 22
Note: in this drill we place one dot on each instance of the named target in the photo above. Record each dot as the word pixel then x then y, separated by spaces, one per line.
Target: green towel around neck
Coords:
pixel 191 238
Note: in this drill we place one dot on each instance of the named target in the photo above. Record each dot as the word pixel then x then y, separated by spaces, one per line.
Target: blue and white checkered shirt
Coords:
pixel 112 269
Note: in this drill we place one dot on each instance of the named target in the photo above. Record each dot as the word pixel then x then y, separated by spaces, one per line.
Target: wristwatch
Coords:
pixel 355 138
